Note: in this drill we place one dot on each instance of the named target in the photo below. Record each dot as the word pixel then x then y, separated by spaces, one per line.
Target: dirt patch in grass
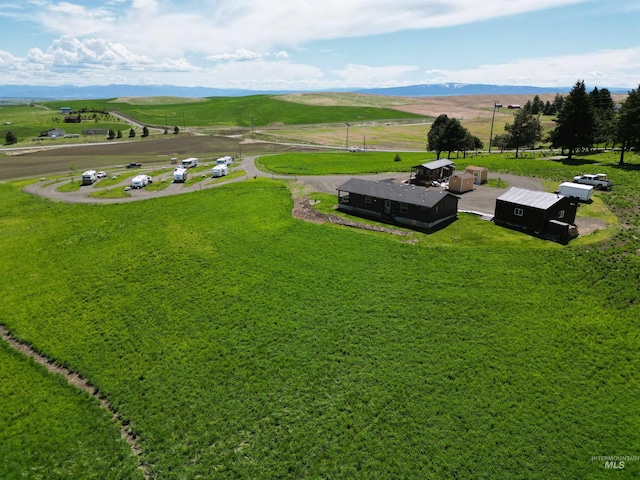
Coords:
pixel 303 210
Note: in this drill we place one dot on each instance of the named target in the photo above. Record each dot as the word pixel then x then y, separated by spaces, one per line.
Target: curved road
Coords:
pixel 481 199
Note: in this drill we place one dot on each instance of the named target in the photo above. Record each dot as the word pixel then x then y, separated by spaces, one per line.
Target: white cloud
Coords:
pixel 363 75
pixel 606 68
pixel 240 55
pixel 68 50
pixel 215 28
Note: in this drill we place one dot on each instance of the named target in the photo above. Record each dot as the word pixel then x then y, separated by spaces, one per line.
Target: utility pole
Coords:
pixel 495 105
pixel 347 144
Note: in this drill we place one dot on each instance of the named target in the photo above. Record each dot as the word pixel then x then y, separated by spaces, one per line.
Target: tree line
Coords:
pixel 583 120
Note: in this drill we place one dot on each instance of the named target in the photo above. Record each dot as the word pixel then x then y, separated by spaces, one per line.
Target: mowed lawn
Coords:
pixel 239 342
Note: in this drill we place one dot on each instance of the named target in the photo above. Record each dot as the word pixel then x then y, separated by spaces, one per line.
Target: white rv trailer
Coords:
pixel 89 177
pixel 219 171
pixel 180 175
pixel 190 162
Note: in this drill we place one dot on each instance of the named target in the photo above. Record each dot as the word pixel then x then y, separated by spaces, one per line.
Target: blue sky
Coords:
pixel 316 45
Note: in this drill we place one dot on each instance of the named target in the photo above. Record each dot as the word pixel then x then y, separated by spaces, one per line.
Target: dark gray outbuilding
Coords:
pixel 431 171
pixel 539 213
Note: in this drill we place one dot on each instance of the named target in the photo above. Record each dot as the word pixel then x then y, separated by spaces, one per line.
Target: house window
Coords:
pixel 518 212
pixel 561 214
pixel 404 208
pixel 367 199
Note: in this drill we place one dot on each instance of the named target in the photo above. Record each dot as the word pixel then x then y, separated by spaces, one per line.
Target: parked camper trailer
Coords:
pixel 219 171
pixel 224 160
pixel 190 162
pixel 89 177
pixel 576 190
pixel 141 181
pixel 180 175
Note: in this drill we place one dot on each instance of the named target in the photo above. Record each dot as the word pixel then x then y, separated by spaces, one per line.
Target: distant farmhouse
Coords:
pixel 431 171
pixel 53 133
pixel 548 215
pixel 73 119
pixel 405 205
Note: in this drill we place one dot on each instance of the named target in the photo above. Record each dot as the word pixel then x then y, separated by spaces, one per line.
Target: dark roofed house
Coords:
pixel 73 119
pixel 405 205
pixel 548 215
pixel 432 171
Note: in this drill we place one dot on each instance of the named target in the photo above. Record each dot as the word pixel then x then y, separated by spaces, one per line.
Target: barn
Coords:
pixel 405 205
pixel 432 171
pixel 461 182
pixel 53 133
pixel 480 174
pixel 548 215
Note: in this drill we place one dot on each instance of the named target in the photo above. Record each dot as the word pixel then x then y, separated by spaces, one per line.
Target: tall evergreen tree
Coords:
pixel 575 123
pixel 10 138
pixel 628 131
pixel 604 116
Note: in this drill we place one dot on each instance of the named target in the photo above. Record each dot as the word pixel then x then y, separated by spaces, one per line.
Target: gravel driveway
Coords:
pixel 481 200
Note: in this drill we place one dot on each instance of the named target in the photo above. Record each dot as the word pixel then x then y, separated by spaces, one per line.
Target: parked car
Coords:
pixel 134 165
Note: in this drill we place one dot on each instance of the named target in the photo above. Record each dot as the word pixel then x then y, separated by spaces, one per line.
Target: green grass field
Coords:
pixel 239 342
pixel 234 111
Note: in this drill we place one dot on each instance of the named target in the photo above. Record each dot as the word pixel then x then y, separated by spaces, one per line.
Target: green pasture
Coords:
pixel 27 122
pixel 240 342
pixel 234 112
pixel 342 163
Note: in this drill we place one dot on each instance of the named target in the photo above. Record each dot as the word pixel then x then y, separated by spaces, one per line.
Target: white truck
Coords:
pixel 598 180
pixel 141 181
pixel 190 162
pixel 180 175
pixel 219 171
pixel 224 160
pixel 576 190
pixel 89 177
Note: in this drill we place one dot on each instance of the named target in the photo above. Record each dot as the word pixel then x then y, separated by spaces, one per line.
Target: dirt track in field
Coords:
pixel 79 382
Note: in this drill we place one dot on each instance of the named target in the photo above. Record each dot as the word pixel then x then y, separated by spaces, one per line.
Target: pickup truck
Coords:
pixel 598 180
pixel 134 165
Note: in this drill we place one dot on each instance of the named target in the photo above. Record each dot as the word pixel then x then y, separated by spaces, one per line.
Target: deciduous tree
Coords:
pixel 525 130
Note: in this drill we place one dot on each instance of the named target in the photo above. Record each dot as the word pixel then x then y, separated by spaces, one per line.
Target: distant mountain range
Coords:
pixel 70 92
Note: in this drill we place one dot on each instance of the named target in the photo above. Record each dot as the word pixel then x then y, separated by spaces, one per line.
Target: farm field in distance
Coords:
pixel 236 341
